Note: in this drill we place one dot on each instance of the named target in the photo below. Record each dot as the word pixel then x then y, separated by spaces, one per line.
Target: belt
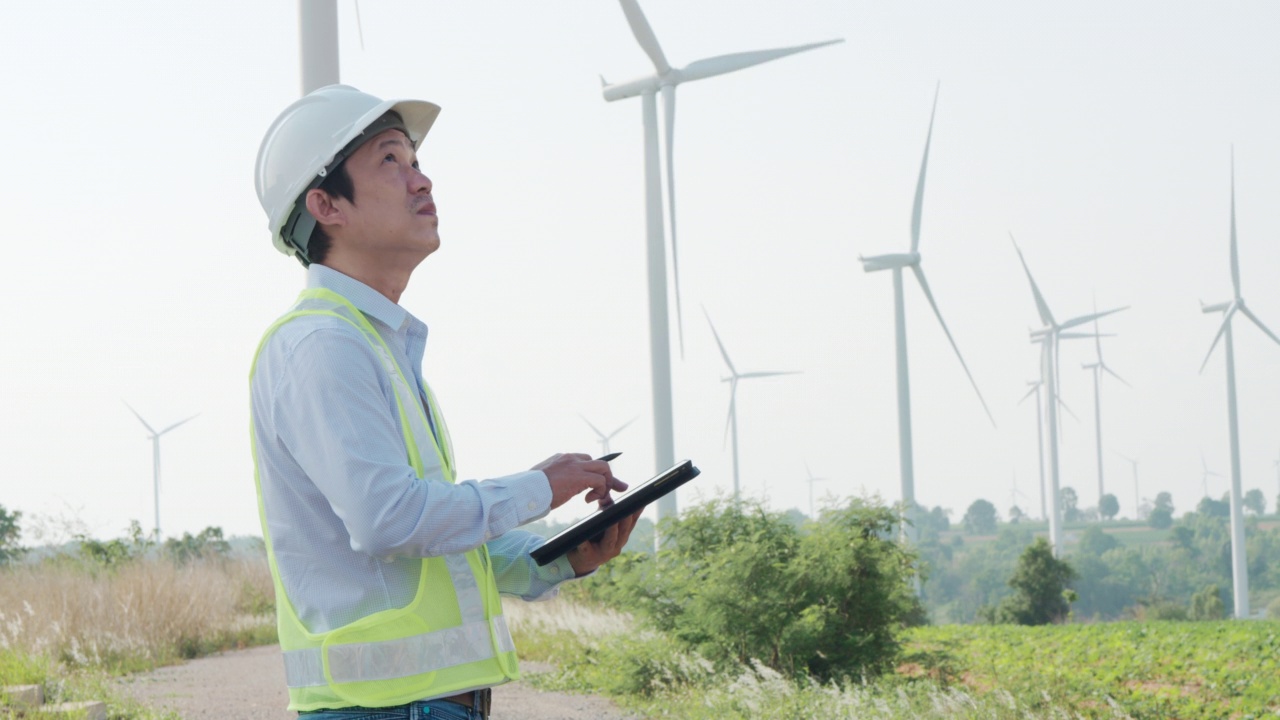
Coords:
pixel 479 700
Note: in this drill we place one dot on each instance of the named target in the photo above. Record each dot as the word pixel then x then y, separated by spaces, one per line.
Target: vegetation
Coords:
pixel 738 584
pixel 981 518
pixel 72 620
pixel 9 533
pixel 1040 594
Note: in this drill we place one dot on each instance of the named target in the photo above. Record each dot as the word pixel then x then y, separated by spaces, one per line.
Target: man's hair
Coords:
pixel 336 185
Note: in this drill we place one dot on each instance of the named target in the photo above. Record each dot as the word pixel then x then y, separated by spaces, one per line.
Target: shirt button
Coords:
pixel 533 505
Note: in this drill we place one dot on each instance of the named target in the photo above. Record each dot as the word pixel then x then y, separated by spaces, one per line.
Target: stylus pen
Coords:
pixel 610 457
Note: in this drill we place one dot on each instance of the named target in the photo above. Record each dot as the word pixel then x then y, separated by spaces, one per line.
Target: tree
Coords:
pixel 1207 604
pixel 1214 508
pixel 1164 501
pixel 1070 504
pixel 1255 502
pixel 980 518
pixel 9 532
pixel 1094 542
pixel 1108 506
pixel 1160 519
pixel 1039 582
pixel 1016 515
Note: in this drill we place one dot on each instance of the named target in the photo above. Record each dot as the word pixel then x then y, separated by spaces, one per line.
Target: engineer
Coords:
pixel 387 568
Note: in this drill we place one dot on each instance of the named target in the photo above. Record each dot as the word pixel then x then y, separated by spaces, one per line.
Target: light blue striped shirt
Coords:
pixel 348 519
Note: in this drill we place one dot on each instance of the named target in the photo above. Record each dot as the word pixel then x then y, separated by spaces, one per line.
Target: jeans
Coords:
pixel 421 710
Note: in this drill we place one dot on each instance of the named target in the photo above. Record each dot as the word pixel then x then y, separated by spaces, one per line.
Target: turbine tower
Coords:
pixel 318 46
pixel 1035 390
pixel 1136 502
pixel 1048 337
pixel 154 437
pixel 1097 368
pixel 603 438
pixel 1204 476
pixel 664 80
pixel 733 379
pixel 897 262
pixel 1239 566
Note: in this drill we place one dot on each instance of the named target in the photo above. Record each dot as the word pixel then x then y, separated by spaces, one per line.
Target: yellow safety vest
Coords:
pixel 451 638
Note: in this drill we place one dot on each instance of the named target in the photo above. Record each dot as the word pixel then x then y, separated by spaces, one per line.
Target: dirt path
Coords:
pixel 249 685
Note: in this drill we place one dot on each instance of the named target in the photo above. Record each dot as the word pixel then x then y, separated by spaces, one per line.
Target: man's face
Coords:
pixel 394 212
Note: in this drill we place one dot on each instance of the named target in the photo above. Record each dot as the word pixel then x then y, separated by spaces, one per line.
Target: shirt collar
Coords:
pixel 366 299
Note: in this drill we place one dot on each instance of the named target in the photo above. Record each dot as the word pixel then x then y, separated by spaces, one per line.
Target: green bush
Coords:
pixel 737 583
pixel 1040 588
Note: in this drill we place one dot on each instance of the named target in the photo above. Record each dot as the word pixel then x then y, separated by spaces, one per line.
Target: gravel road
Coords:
pixel 249 685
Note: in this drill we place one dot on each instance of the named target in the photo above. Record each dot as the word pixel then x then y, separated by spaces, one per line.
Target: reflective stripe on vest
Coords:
pixel 400 655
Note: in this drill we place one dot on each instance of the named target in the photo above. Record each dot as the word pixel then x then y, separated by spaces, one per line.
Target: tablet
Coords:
pixel 595 524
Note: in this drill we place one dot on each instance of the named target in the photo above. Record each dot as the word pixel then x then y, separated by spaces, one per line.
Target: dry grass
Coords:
pixel 139 614
pixel 562 615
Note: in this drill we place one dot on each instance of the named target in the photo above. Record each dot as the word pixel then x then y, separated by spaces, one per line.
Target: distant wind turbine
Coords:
pixel 1204 478
pixel 1097 368
pixel 1239 566
pixel 897 262
pixel 812 481
pixel 1048 337
pixel 603 438
pixel 733 379
pixel 1136 502
pixel 154 437
pixel 664 80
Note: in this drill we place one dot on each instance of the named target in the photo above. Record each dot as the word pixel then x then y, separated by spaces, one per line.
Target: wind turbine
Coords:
pixel 1136 502
pixel 1097 368
pixel 154 437
pixel 897 262
pixel 318 46
pixel 664 80
pixel 733 379
pixel 604 439
pixel 1239 567
pixel 1204 478
pixel 1048 338
pixel 812 481
pixel 1035 390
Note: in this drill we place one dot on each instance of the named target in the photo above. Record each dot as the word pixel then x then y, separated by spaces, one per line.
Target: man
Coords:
pixel 387 571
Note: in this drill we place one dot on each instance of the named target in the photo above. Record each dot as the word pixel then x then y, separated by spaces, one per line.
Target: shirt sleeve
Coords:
pixel 334 413
pixel 517 574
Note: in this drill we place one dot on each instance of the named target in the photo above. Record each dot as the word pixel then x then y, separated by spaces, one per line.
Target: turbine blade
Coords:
pixel 743 376
pixel 1114 374
pixel 924 285
pixel 177 424
pixel 623 427
pixel 1235 255
pixel 644 35
pixel 359 25
pixel 1097 338
pixel 594 429
pixel 1075 322
pixel 669 108
pixel 1249 314
pixel 1030 392
pixel 144 422
pixel 722 64
pixel 1046 317
pixel 723 353
pixel 917 209
pixel 1221 330
pixel 1070 412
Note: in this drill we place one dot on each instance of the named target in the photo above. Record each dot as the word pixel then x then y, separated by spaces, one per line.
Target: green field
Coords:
pixel 1148 670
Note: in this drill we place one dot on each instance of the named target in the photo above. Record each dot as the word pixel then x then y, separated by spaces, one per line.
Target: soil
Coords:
pixel 249 685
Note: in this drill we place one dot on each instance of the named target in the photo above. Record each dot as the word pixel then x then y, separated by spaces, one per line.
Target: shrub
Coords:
pixel 1207 604
pixel 1040 588
pixel 738 583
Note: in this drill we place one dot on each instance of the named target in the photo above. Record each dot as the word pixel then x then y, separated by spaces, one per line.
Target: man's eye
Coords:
pixel 391 157
pixel 415 165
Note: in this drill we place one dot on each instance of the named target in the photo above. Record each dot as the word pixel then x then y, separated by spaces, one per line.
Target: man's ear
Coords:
pixel 322 207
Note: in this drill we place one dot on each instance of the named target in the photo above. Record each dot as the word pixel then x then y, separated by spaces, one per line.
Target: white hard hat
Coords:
pixel 303 144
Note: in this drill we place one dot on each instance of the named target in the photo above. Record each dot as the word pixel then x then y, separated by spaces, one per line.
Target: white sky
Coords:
pixel 138 265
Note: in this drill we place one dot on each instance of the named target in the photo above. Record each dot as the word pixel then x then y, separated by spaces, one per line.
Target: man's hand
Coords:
pixel 572 473
pixel 590 555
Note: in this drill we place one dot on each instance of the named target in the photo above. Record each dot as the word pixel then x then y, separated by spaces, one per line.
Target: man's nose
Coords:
pixel 419 182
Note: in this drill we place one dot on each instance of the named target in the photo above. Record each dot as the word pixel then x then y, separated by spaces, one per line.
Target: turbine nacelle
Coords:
pixel 889 262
